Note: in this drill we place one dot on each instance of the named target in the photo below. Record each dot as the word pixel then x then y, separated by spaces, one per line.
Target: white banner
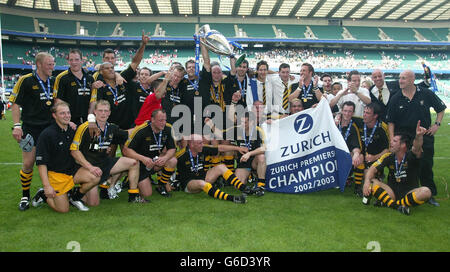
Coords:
pixel 306 152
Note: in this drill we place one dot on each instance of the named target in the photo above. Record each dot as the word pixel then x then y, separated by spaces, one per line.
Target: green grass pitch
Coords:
pixel 322 221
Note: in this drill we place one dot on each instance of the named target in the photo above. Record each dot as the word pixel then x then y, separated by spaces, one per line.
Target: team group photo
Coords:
pixel 224 126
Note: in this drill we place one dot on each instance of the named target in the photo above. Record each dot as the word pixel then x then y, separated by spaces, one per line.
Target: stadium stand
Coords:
pixel 257 30
pixel 17 23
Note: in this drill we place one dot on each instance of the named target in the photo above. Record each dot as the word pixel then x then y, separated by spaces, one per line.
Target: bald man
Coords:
pixel 405 109
pixel 382 91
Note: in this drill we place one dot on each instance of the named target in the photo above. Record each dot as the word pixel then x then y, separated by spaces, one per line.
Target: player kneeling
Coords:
pixel 152 144
pixel 92 154
pixel 58 171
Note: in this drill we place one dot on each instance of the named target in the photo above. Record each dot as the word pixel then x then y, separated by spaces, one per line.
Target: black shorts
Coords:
pixel 106 167
pixel 247 164
pixel 144 173
pixel 184 180
pixel 400 190
pixel 34 131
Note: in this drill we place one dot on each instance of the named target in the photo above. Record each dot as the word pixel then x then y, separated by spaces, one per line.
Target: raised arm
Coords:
pixel 206 58
pixel 418 140
pixel 137 58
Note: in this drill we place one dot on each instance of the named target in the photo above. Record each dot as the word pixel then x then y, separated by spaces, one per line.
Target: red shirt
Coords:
pixel 151 103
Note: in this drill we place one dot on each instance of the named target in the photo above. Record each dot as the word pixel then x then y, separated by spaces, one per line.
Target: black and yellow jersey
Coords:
pixel 35 98
pixel 95 149
pixel 375 141
pixel 76 92
pixel 402 177
pixel 190 167
pixel 144 141
pixel 120 98
pixel 351 135
pixel 238 137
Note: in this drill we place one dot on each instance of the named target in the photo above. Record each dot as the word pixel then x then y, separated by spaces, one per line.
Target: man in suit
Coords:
pixel 382 91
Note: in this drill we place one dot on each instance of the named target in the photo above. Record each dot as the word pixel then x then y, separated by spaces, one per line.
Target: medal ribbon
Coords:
pixel 368 141
pixel 46 91
pixel 398 168
pixel 191 158
pixel 143 89
pixel 249 144
pixel 306 92
pixel 158 142
pixel 114 92
pixel 241 87
pixel 347 133
pixel 102 138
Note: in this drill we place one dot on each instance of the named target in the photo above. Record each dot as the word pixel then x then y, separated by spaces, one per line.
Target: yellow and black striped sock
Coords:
pixel 229 162
pixel 216 193
pixel 233 180
pixel 104 186
pixel 410 199
pixel 165 175
pixel 261 182
pixel 383 196
pixel 25 180
pixel 359 174
pixel 132 194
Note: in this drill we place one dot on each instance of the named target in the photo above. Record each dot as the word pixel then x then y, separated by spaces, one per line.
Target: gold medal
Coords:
pixel 305 100
pixel 398 179
pixel 48 102
pixel 196 93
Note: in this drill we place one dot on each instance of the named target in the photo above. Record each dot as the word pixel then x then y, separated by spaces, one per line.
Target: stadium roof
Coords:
pixel 410 10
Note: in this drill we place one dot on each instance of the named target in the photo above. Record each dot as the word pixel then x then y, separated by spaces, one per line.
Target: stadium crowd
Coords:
pixel 71 125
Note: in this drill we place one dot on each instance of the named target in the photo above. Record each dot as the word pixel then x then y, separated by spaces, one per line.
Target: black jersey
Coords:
pixel 139 94
pixel 405 176
pixel 307 95
pixel 52 149
pixel 252 140
pixel 218 95
pixel 76 92
pixel 405 113
pixel 190 167
pixel 95 149
pixel 172 98
pixel 120 98
pixel 374 141
pixel 351 135
pixel 35 97
pixel 144 141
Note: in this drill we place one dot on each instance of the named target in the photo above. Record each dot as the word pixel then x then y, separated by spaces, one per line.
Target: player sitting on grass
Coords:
pixel 402 189
pixel 195 179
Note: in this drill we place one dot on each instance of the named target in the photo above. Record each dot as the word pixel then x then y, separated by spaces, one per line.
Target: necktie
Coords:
pixel 380 95
pixel 285 96
pixel 264 93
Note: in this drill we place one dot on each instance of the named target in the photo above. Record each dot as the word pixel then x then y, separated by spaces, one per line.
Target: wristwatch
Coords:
pixel 437 123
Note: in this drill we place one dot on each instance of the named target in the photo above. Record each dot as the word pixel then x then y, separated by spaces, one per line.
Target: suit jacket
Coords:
pixel 393 87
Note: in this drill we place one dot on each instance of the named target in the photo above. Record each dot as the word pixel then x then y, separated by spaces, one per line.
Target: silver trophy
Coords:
pixel 214 41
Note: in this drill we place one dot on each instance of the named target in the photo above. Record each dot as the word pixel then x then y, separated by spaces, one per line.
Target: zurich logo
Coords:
pixel 303 123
